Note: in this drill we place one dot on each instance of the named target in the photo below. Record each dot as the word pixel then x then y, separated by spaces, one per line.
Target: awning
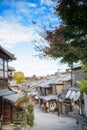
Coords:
pixel 48 97
pixel 13 97
pixel 6 92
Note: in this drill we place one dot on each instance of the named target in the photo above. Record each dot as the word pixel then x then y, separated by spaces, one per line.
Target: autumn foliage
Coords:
pixel 22 100
pixel 68 40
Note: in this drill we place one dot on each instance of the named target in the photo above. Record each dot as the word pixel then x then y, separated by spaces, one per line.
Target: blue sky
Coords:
pixel 17 33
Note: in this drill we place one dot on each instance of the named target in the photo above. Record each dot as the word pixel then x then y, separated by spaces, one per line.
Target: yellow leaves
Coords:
pixel 19 77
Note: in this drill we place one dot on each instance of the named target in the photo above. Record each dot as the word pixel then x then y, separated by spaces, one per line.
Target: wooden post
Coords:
pixel 85 104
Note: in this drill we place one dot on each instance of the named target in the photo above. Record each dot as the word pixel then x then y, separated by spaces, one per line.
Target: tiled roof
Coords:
pixel 6 53
pixel 13 97
pixel 6 92
pixel 48 97
pixel 62 78
pixel 27 83
pixel 74 89
pixel 76 66
pixel 54 80
pixel 13 84
pixel 47 82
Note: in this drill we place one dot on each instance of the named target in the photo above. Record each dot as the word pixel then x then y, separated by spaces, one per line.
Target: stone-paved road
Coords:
pixel 50 121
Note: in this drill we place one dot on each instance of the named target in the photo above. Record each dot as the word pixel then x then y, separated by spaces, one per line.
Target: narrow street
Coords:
pixel 51 121
pixel 48 121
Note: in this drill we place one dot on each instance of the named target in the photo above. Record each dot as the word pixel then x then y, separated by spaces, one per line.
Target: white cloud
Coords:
pixel 24 7
pixel 14 33
pixel 18 3
pixel 15 29
pixel 48 2
pixel 18 11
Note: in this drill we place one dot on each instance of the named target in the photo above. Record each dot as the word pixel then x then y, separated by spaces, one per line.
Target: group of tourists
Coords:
pixel 49 106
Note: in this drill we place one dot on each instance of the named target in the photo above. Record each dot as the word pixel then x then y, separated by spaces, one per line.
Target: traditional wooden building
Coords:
pixel 5 57
pixel 50 89
pixel 76 74
pixel 70 99
pixel 47 98
pixel 62 84
pixel 5 105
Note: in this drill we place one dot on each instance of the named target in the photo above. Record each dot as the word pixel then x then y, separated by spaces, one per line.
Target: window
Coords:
pixel 1 63
pixel 1 67
pixel 5 65
pixel 1 73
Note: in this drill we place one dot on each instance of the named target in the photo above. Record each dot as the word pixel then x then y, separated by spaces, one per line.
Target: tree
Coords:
pixel 34 78
pixel 84 71
pixel 69 40
pixel 83 83
pixel 19 77
pixel 83 86
pixel 28 109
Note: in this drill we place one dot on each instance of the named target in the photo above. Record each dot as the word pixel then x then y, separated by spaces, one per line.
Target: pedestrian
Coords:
pixel 47 106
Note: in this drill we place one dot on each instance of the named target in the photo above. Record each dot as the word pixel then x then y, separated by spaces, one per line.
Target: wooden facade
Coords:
pixel 45 97
pixel 59 88
pixel 45 90
pixel 7 111
pixel 54 87
pixel 65 107
pixel 69 105
pixel 64 104
pixel 76 75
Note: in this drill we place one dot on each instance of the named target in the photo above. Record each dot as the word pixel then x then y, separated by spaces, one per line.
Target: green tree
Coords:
pixel 28 112
pixel 84 71
pixel 69 40
pixel 19 77
pixel 83 86
pixel 83 83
